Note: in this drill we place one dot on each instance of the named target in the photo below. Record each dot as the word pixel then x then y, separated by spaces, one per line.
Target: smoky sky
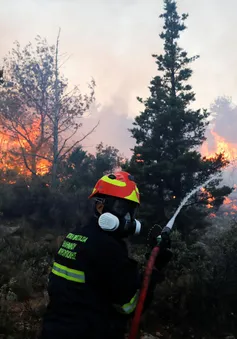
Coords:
pixel 224 113
pixel 113 125
pixel 112 41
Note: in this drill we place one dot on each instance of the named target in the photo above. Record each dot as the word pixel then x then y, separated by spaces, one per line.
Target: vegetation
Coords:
pixel 38 207
pixel 38 112
pixel 168 133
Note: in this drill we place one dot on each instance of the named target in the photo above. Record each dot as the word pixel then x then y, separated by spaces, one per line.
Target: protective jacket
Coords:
pixel 93 287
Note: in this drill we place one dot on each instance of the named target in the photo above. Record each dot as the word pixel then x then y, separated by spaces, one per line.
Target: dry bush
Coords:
pixel 25 262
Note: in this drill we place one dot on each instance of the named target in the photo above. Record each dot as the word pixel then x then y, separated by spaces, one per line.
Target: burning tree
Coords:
pixel 221 138
pixel 38 114
pixel 169 133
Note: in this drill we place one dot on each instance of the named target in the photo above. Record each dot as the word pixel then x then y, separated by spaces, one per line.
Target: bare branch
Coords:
pixel 26 136
pixel 31 97
pixel 66 128
pixel 64 61
pixel 35 155
pixel 69 95
pixel 17 132
pixel 24 157
pixel 65 141
pixel 56 116
pixel 77 142
pixel 37 91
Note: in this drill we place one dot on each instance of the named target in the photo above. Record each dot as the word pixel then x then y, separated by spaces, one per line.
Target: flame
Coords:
pixel 138 158
pixel 11 157
pixel 231 203
pixel 221 146
pixel 227 201
pixel 208 197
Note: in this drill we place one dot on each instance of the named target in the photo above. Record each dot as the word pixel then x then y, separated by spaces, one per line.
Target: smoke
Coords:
pixel 113 128
pixel 223 123
pixel 113 42
pixel 224 113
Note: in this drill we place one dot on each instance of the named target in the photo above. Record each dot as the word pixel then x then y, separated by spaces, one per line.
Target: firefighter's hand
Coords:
pixel 159 237
pixel 163 241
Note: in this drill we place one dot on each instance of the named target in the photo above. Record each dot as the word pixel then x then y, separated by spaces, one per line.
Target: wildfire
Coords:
pixel 231 203
pixel 138 158
pixel 14 148
pixel 210 198
pixel 221 146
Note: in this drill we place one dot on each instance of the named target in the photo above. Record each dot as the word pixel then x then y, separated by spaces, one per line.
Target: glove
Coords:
pixel 165 254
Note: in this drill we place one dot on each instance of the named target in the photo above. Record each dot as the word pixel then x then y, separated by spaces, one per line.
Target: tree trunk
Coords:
pixel 33 166
pixel 56 121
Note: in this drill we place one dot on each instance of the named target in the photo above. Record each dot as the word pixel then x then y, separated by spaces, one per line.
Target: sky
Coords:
pixel 112 41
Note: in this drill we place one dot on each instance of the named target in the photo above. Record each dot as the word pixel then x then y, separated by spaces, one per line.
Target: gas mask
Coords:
pixel 124 227
pixel 119 217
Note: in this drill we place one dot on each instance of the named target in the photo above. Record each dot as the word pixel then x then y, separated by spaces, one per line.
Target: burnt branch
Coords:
pixel 65 142
pixel 36 155
pixel 77 142
pixel 24 158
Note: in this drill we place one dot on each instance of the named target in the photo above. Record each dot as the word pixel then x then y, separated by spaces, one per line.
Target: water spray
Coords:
pixel 151 261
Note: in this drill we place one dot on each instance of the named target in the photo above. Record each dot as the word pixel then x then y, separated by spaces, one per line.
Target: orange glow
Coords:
pixel 231 204
pixel 221 146
pixel 209 197
pixel 227 201
pixel 11 157
pixel 123 161
pixel 138 158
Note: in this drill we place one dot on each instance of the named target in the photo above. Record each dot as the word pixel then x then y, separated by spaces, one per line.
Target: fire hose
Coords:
pixel 146 281
pixel 150 264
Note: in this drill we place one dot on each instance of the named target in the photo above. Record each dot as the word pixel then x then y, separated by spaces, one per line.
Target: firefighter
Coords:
pixel 94 285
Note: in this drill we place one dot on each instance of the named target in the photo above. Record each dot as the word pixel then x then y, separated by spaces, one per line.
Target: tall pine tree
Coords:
pixel 168 133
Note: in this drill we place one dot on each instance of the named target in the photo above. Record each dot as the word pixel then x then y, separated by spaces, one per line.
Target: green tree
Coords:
pixel 1 76
pixel 79 173
pixel 107 159
pixel 81 170
pixel 166 160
